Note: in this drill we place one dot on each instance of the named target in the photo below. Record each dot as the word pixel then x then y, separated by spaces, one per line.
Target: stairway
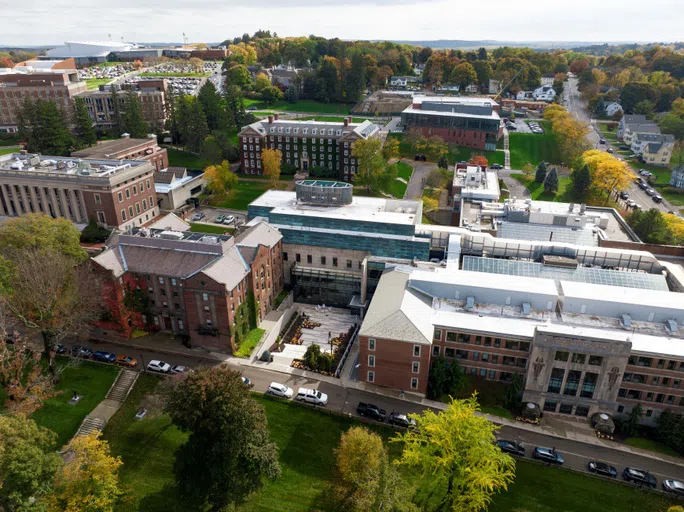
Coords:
pixel 89 425
pixel 507 152
pixel 122 386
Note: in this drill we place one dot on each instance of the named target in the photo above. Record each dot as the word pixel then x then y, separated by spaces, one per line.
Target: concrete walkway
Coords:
pixel 421 170
pixel 507 151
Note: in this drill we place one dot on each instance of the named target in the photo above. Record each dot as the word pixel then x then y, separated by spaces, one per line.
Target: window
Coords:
pixel 371 343
pixel 550 405
pixel 371 376
pixel 123 214
pixel 414 383
pixel 371 361
pixel 556 380
pixel 323 260
pixel 449 352
pixel 561 356
pixel 579 358
pixel 298 257
pixel 130 211
pixel 334 261
pixel 588 385
pixel 478 340
pixel 97 198
pixel 416 350
pixel 488 342
pixel 135 190
pixel 120 197
pixel 485 357
pixel 595 360
pixel 621 408
pixel 435 350
pixel 495 359
pixel 565 408
pixel 309 258
pixel 492 374
pixel 349 263
pixel 476 356
pixel 180 324
pixel 572 383
pixel 649 413
pixel 416 367
pixel 128 193
pixel 101 217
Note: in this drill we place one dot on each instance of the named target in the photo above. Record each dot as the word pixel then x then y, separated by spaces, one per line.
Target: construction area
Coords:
pixel 384 103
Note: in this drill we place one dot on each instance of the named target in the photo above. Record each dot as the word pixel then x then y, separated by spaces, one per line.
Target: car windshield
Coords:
pixel 317 394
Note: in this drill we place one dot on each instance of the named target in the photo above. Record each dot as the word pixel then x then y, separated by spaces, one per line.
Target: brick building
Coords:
pixel 304 144
pixel 127 148
pixel 116 193
pixel 469 122
pixel 198 285
pixel 55 81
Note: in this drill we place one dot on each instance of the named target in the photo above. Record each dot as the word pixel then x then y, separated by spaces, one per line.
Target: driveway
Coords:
pixel 417 181
pixel 515 188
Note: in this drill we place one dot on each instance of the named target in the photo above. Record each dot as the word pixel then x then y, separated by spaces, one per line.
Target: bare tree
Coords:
pixel 54 297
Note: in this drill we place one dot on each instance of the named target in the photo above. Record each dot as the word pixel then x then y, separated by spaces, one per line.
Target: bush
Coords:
pixel 94 234
pixel 323 172
pixel 288 169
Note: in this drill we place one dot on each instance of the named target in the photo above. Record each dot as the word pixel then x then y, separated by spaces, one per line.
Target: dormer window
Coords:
pixel 296 130
pixel 305 130
pixel 314 131
pixel 338 132
pixel 272 130
pixel 287 130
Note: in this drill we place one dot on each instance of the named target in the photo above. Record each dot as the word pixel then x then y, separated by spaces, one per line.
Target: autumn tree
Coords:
pixel 197 64
pixel 28 461
pixel 271 159
pixel 89 480
pixel 371 164
pixel 51 291
pixel 365 478
pixel 478 159
pixel 454 449
pixel 528 171
pixel 220 179
pixel 608 174
pixel 228 454
pixel 390 148
pixel 261 82
pixel 463 75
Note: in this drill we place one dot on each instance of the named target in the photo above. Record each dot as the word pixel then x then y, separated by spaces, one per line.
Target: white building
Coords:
pixel 612 108
pixel 544 93
pixel 398 81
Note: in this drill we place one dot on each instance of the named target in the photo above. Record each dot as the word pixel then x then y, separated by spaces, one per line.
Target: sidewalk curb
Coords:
pixel 157 350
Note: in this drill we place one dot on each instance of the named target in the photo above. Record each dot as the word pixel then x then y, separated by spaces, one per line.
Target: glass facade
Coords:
pixel 320 286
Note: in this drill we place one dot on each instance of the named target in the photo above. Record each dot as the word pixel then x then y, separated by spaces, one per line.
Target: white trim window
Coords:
pixel 371 361
pixel 371 343
pixel 414 383
pixel 371 376
pixel 416 367
pixel 416 350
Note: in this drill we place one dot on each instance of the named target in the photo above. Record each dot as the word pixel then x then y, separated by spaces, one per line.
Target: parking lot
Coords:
pixel 209 216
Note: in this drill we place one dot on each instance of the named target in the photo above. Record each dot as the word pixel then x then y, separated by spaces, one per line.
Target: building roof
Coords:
pixel 111 148
pixel 170 174
pixel 634 118
pixel 324 129
pixel 43 166
pixel 642 129
pixel 230 269
pixel 397 312
pixel 260 234
pixel 655 137
pixel 170 222
pixel 151 260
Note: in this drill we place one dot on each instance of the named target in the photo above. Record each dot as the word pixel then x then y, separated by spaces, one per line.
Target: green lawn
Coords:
pixel 7 151
pixel 533 148
pixel 301 106
pixel 246 347
pixel 332 119
pixel 180 158
pixel 197 227
pixel 404 170
pixel 92 380
pixel 188 74
pixel 306 439
pixel 608 134
pixel 457 154
pixel 94 83
pixel 245 193
pixel 651 445
pixel 398 189
pixel 537 189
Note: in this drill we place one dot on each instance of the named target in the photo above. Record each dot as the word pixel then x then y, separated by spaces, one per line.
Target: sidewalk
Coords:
pixel 155 343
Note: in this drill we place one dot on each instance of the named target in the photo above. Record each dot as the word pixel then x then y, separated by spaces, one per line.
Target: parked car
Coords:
pixel 496 166
pixel 623 147
pixel 105 357
pixel 511 127
pixel 639 477
pixel 674 486
pixel 126 361
pixel 610 150
pixel 198 216
pixel 511 447
pixel 602 141
pixel 228 219
pixel 644 172
pixel 81 351
pixel 219 219
pixel 420 158
pixel 177 368
pixel 631 203
pixel 281 390
pixel 371 411
pixel 658 198
pixel 649 191
pixel 601 468
pixel 399 419
pixel 60 349
pixel 624 195
pixel 158 366
pixel 548 455
pixel 246 382
pixel 312 396
pixel 642 185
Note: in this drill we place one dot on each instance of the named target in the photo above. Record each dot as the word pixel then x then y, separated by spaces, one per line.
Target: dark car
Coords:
pixel 371 411
pixel 674 486
pixel 610 150
pixel 601 468
pixel 549 455
pixel 60 349
pixel 420 158
pixel 105 357
pixel 602 141
pixel 81 351
pixel 624 195
pixel 639 477
pixel 511 447
pixel 624 148
pixel 400 419
pixel 496 166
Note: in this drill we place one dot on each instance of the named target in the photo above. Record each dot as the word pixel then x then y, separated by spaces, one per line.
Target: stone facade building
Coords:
pixel 127 148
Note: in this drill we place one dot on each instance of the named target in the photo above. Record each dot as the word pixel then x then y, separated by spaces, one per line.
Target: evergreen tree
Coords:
pixel 84 129
pixel 482 53
pixel 133 118
pixel 581 181
pixel 292 95
pixel 45 129
pixel 443 162
pixel 192 124
pixel 117 116
pixel 355 79
pixel 210 151
pixel 551 181
pixel 213 106
pixel 540 175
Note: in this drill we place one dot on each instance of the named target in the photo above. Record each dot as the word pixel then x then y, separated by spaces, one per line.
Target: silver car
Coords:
pixel 281 390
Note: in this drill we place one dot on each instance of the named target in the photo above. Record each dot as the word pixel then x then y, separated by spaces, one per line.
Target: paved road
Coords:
pixel 344 400
pixel 416 184
pixel 575 106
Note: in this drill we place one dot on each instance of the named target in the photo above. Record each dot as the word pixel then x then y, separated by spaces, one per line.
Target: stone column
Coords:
pixel 55 203
pixel 65 204
pixel 44 200
pixel 34 199
pixel 75 208
pixel 84 211
pixel 24 198
pixel 2 207
pixel 10 209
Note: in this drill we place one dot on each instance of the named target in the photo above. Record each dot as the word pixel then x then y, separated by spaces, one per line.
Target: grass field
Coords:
pixel 608 134
pixel 332 119
pixel 301 106
pixel 457 154
pixel 537 189
pixel 651 445
pixel 253 338
pixel 197 227
pixel 398 189
pixel 178 75
pixel 91 380
pixel 94 83
pixel 533 148
pixel 306 439
pixel 245 193
pixel 7 151
pixel 185 159
pixel 404 170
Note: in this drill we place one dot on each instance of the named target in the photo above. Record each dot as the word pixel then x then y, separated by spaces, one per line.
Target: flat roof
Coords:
pixel 494 116
pixel 46 166
pixel 108 148
pixel 548 233
pixel 368 209
pixel 644 297
pixel 465 100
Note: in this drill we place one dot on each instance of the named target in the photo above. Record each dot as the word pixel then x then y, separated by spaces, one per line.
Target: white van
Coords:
pixel 311 396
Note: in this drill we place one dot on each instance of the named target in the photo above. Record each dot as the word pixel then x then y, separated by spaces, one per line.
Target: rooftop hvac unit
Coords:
pixel 526 308
pixel 171 235
pixel 671 325
pixel 470 302
pixel 625 321
pixel 210 239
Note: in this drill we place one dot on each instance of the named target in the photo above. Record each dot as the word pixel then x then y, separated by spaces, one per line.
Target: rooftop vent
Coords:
pixel 209 239
pixel 526 308
pixel 625 321
pixel 171 235
pixel 671 325
pixel 470 302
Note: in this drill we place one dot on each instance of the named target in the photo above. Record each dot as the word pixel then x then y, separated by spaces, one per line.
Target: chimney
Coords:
pixel 351 119
pixel 275 116
pixel 346 121
pixel 270 119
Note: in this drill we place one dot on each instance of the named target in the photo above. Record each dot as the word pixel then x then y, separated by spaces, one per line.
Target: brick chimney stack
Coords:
pixel 275 116
pixel 346 121
pixel 270 119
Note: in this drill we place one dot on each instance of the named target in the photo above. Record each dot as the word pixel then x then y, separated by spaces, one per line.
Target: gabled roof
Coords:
pixel 167 176
pixel 151 260
pixel 261 234
pixel 170 222
pixel 229 270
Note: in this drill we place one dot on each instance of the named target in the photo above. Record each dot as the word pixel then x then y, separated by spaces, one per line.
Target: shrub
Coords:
pixel 93 234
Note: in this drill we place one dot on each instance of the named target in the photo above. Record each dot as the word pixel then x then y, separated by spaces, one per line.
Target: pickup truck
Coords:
pixel 371 411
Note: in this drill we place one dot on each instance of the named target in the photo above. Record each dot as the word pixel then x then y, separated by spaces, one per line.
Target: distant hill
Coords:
pixel 458 44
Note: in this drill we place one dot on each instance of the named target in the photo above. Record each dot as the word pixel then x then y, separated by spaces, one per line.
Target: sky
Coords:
pixel 41 22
